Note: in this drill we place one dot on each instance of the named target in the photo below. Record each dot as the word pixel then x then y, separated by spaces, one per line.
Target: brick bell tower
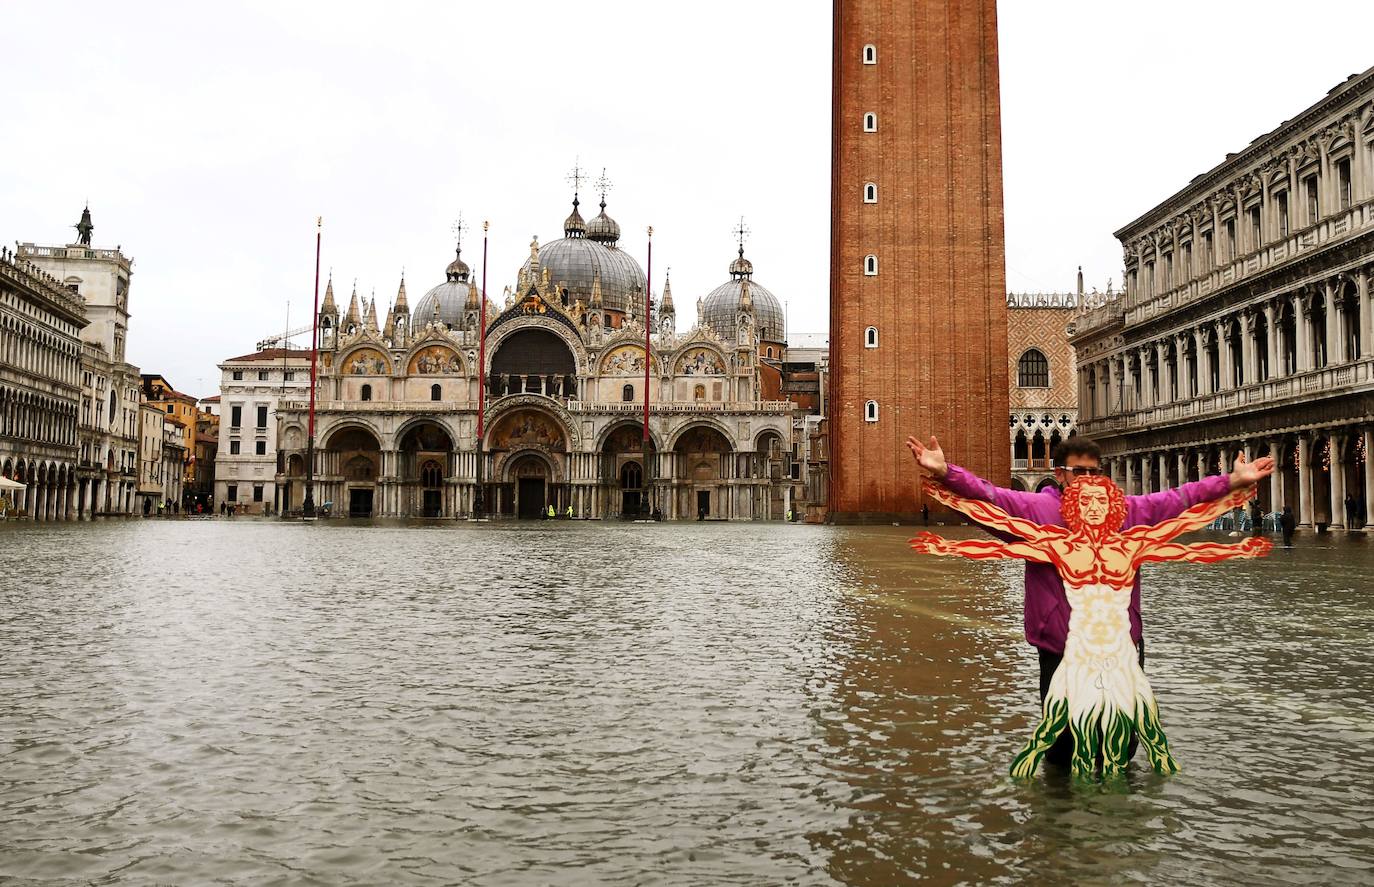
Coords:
pixel 918 318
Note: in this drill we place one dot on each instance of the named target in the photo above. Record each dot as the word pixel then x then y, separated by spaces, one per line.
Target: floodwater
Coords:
pixel 250 702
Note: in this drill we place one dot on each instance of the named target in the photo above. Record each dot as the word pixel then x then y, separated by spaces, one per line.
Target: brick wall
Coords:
pixel 938 299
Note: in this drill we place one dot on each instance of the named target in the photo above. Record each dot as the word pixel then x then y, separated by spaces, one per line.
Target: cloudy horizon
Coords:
pixel 208 145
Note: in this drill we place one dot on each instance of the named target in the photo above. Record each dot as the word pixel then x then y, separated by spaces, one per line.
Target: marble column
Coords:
pixel 1128 483
pixel 1271 340
pixel 1303 319
pixel 1146 472
pixel 1337 447
pixel 1368 432
pixel 1334 343
pixel 1163 471
pixel 1224 356
pixel 1366 320
pixel 1276 502
pixel 1305 482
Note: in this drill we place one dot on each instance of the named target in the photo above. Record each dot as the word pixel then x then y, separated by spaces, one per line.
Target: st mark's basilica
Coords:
pixel 397 401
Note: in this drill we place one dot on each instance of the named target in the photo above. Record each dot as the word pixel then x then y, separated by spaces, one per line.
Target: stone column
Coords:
pixel 1161 364
pixel 1271 340
pixel 1305 481
pixel 1337 485
pixel 1368 432
pixel 1249 353
pixel 1304 332
pixel 1362 287
pixel 1163 471
pixel 1204 375
pixel 1146 472
pixel 1335 343
pixel 1225 381
pixel 1276 502
pixel 1128 484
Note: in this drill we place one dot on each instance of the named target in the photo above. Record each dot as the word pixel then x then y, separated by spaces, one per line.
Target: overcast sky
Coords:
pixel 207 141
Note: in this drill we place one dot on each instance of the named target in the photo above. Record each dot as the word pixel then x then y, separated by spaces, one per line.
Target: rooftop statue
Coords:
pixel 1099 692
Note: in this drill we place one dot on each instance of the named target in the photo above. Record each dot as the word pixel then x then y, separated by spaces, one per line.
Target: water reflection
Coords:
pixel 685 704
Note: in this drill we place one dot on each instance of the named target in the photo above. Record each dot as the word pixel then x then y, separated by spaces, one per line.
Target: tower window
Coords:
pixel 871 411
pixel 627 393
pixel 1033 370
pixel 870 122
pixel 435 392
pixel 367 392
pixel 870 193
pixel 870 54
pixel 871 265
pixel 871 337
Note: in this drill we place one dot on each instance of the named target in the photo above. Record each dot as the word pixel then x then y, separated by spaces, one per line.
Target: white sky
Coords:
pixel 207 145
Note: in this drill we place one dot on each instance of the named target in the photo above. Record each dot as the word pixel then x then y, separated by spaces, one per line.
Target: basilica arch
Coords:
pixel 529 447
pixel 425 470
pixel 534 359
pixel 705 472
pixel 353 462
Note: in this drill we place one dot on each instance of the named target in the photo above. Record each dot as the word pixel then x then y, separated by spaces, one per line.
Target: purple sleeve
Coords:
pixel 1169 504
pixel 965 483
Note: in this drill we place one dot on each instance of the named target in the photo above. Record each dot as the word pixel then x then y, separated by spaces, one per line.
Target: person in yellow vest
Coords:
pixel 552 513
pixel 789 514
pixel 570 512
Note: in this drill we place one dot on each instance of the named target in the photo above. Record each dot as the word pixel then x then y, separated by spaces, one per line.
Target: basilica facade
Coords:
pixel 397 412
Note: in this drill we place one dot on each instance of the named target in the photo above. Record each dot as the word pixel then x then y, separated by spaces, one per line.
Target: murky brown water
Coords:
pixel 251 702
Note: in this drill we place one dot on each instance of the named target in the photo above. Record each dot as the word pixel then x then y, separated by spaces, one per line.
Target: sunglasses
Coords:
pixel 1079 470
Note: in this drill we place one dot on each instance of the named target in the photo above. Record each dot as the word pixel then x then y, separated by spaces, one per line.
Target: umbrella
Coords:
pixel 7 484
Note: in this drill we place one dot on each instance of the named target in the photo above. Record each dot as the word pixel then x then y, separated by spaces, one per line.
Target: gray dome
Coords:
pixel 721 306
pixel 603 228
pixel 573 263
pixel 451 296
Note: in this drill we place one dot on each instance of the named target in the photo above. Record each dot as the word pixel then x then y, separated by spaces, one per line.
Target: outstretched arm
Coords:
pixel 979 549
pixel 1195 518
pixel 1206 552
pixel 989 515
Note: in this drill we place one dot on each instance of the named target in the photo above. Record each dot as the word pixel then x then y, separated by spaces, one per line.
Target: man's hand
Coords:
pixel 929 456
pixel 1248 473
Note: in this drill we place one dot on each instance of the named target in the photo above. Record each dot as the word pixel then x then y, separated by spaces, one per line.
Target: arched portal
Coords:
pixel 705 465
pixel 354 454
pixel 529 476
pixel 425 457
pixel 627 493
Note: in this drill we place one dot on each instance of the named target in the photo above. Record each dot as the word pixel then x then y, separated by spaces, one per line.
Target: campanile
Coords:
pixel 918 322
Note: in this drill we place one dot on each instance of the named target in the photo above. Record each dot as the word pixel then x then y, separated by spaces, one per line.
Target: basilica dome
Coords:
pixel 587 251
pixel 451 296
pixel 720 308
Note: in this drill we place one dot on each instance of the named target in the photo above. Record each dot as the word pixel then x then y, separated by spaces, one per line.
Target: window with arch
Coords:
pixel 870 122
pixel 870 192
pixel 627 393
pixel 1033 370
pixel 367 392
pixel 871 337
pixel 436 392
pixel 770 351
pixel 871 265
pixel 871 411
pixel 870 54
pixel 431 475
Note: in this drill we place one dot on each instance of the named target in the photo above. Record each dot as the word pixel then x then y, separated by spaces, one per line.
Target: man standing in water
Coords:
pixel 1046 604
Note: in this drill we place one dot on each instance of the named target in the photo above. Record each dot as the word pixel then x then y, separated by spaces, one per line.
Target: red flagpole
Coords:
pixel 308 504
pixel 648 324
pixel 482 342
pixel 478 503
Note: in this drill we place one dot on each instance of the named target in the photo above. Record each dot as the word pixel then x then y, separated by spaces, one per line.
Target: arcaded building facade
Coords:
pixel 1246 324
pixel 396 420
pixel 40 389
pixel 1044 382
pixel 918 339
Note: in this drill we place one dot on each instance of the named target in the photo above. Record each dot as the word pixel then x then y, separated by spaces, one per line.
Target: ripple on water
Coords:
pixel 752 704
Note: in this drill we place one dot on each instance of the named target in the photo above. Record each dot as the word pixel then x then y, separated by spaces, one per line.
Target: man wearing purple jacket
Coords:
pixel 1047 607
